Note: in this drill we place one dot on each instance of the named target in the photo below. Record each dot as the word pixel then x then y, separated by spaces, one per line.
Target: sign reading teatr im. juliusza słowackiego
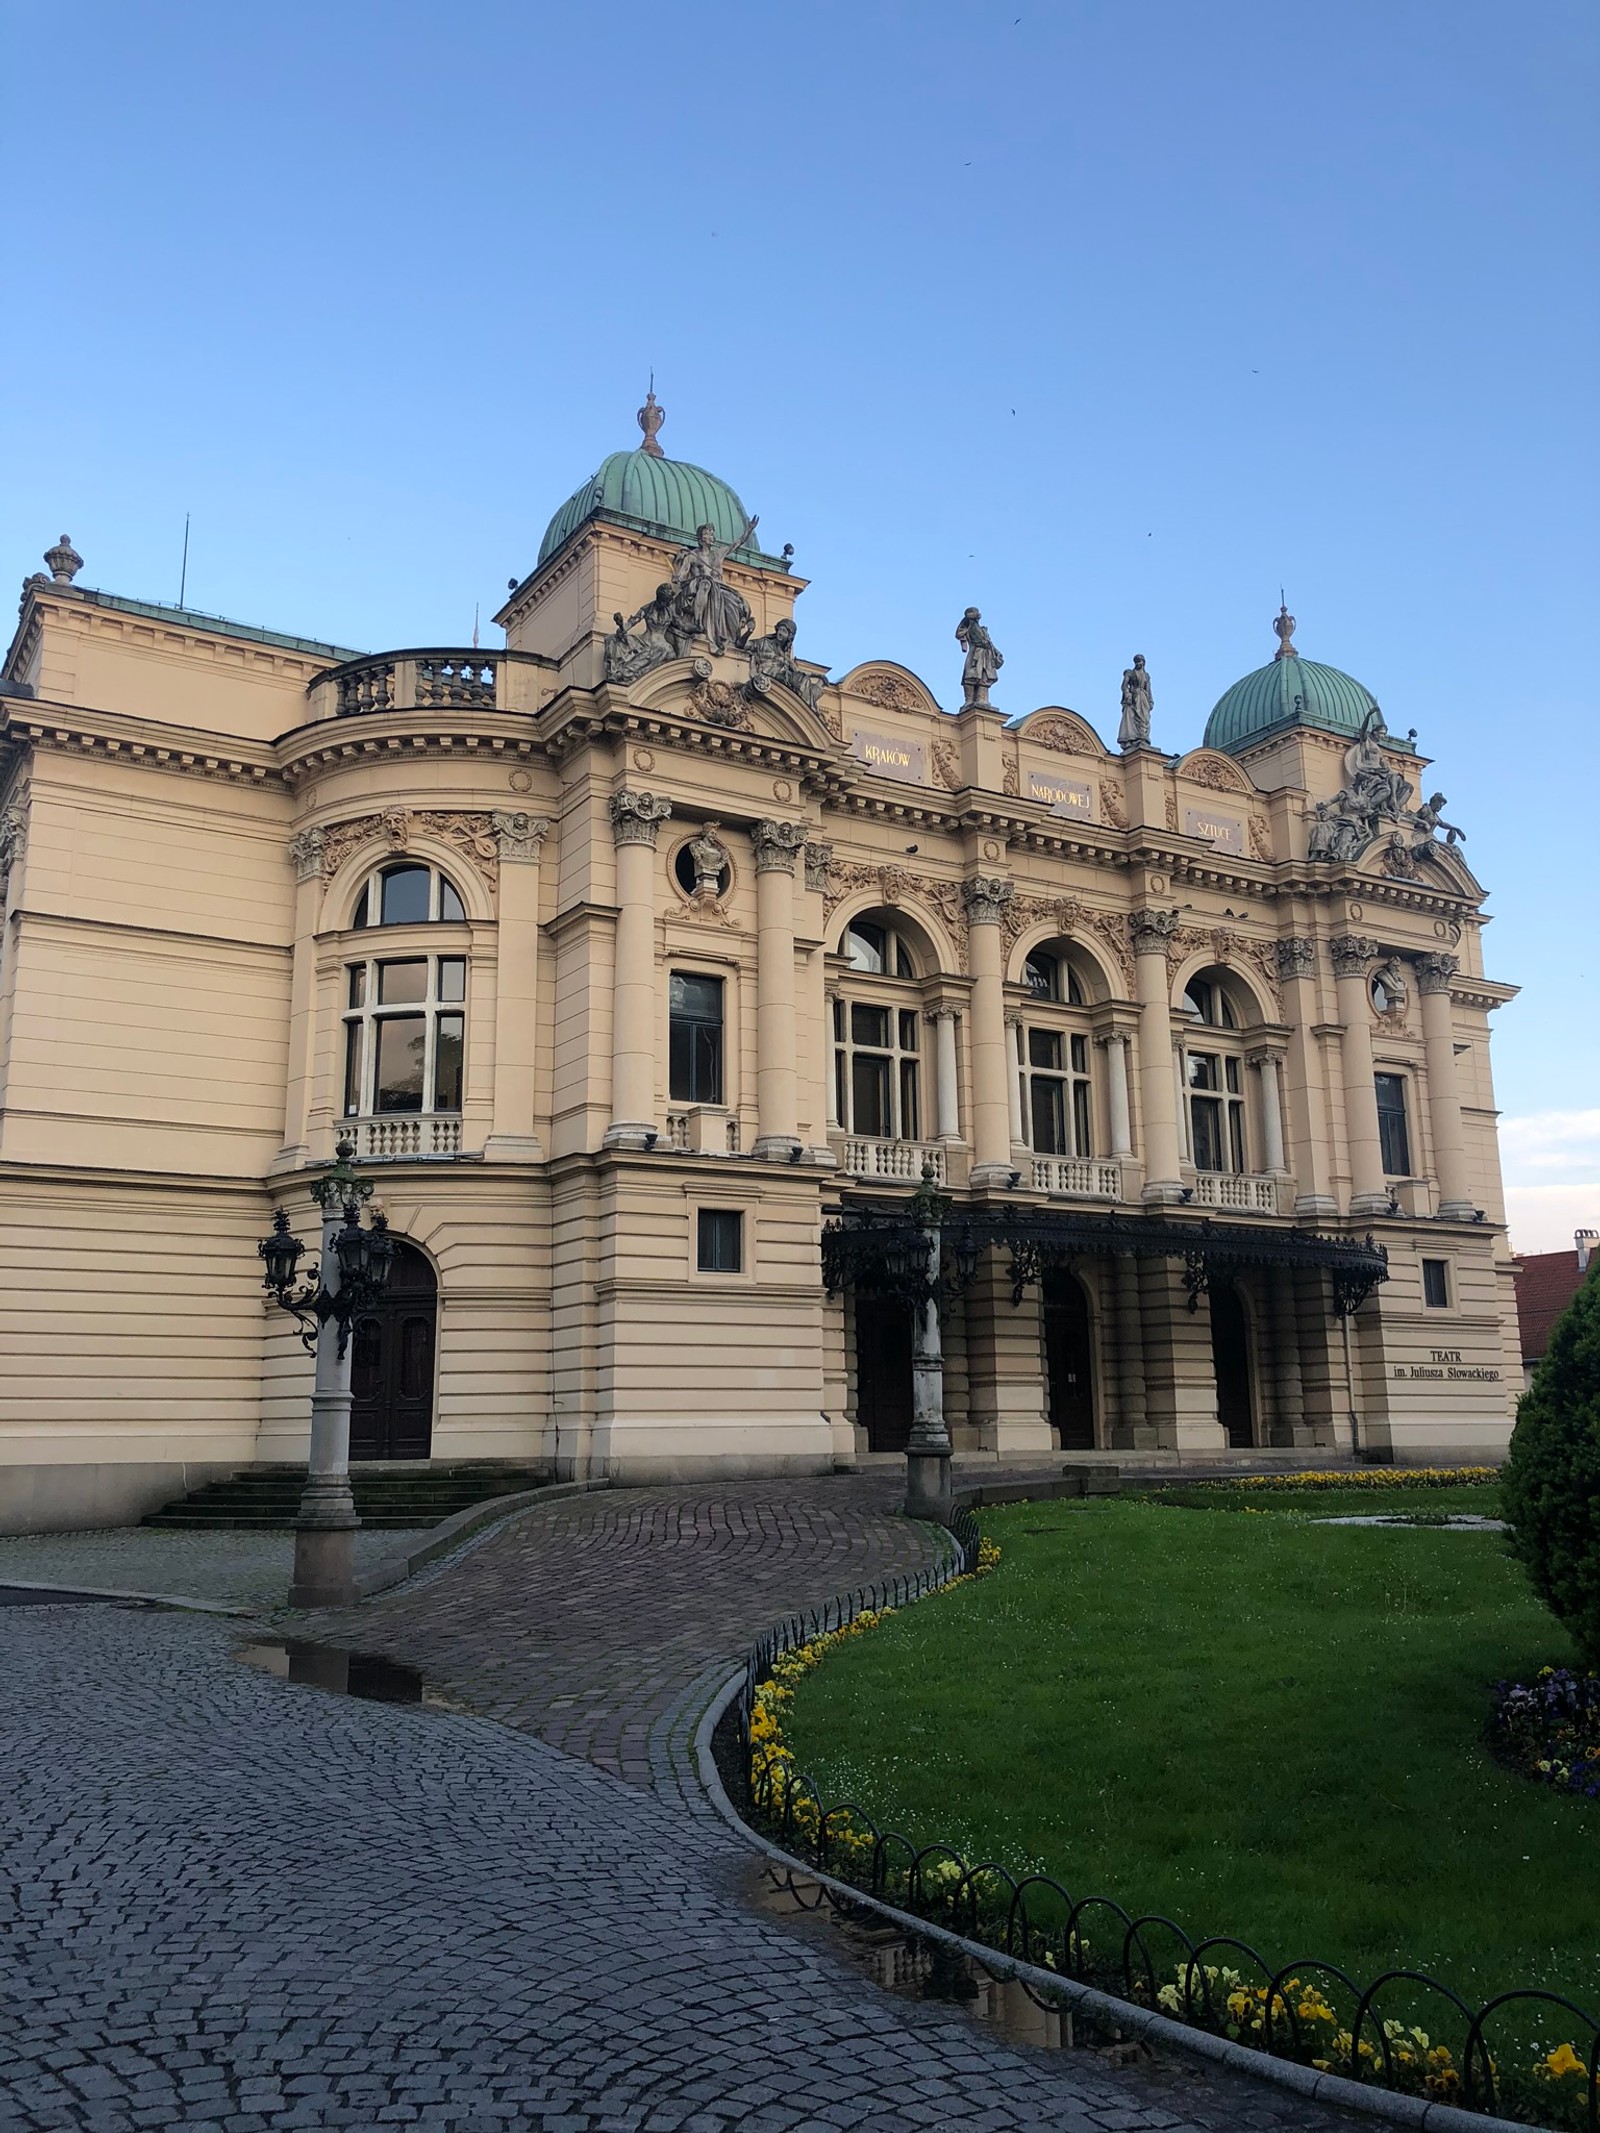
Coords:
pixel 891 757
pixel 1063 796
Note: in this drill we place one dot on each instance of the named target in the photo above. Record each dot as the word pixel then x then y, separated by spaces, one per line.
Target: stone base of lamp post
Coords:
pixel 324 1546
pixel 928 1487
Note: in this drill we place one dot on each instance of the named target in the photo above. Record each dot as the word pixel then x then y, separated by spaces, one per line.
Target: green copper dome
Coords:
pixel 1290 691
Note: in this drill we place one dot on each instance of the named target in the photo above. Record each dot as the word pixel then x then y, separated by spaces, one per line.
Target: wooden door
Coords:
pixel 391 1365
pixel 883 1371
pixel 1230 1356
pixel 1068 1360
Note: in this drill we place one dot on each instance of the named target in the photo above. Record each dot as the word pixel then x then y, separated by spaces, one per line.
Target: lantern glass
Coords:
pixel 350 1244
pixel 380 1255
pixel 281 1253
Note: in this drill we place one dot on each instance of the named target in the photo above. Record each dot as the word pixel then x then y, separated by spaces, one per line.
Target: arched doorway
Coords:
pixel 391 1364
pixel 1230 1359
pixel 883 1371
pixel 1068 1360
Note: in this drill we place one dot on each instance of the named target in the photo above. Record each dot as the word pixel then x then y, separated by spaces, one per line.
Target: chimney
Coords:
pixel 1585 1240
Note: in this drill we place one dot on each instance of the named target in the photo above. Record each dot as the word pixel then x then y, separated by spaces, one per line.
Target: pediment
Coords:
pixel 1218 772
pixel 890 686
pixel 1054 726
pixel 681 690
pixel 1398 856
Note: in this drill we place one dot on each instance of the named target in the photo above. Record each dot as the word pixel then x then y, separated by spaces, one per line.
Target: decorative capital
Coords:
pixel 1296 957
pixel 1351 953
pixel 1262 1056
pixel 1434 972
pixel 1108 1037
pixel 64 561
pixel 939 1014
pixel 1152 931
pixel 518 835
pixel 986 898
pixel 305 853
pixel 1013 1018
pixel 777 846
pixel 636 817
pixel 819 857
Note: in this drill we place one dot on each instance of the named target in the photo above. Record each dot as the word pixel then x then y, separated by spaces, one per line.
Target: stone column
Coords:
pixel 942 1021
pixel 1115 1043
pixel 1352 952
pixel 1015 1070
pixel 1310 1127
pixel 636 818
pixel 1293 1423
pixel 1266 1065
pixel 986 899
pixel 830 1000
pixel 1434 973
pixel 512 1138
pixel 1151 932
pixel 777 1091
pixel 1132 1431
pixel 305 856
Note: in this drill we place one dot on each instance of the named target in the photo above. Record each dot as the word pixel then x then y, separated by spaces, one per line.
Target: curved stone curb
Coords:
pixel 460 1526
pixel 1334 2089
pixel 114 1592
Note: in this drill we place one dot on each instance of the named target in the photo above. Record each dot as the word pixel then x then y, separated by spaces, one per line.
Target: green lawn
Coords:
pixel 1257 1725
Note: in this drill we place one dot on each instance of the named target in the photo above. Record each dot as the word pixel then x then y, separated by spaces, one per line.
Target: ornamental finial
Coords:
pixel 651 418
pixel 64 561
pixel 1285 628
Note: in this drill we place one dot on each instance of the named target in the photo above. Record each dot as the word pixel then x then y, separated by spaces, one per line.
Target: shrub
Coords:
pixel 1550 1484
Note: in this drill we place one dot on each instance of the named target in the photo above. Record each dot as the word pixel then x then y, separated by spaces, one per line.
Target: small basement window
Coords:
pixel 720 1240
pixel 1436 1284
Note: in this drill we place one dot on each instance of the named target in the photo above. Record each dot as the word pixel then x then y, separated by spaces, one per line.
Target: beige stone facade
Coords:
pixel 612 1083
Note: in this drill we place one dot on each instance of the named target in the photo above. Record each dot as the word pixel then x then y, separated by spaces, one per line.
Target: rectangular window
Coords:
pixel 1049 1116
pixel 358 985
pixel 910 1109
pixel 1205 1114
pixel 401 983
pixel 449 1043
pixel 1393 1137
pixel 1044 1048
pixel 452 977
pixel 1436 1284
pixel 1080 1057
pixel 908 1029
pixel 1084 1138
pixel 694 1039
pixel 869 1090
pixel 402 1041
pixel 869 1025
pixel 719 1240
pixel 352 1067
pixel 1202 1070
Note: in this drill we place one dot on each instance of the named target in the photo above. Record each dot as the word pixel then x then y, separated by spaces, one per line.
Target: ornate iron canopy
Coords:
pixel 873 1246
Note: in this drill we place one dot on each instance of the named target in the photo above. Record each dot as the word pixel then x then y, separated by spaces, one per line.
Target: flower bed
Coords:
pixel 1550 1728
pixel 1363 1477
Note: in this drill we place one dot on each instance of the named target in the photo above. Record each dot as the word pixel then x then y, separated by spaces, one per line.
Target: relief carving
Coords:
pixel 1260 840
pixel 1011 776
pixel 1172 811
pixel 888 690
pixel 946 766
pixel 845 877
pixel 1111 806
pixel 718 703
pixel 1059 734
pixel 1072 919
pixel 470 834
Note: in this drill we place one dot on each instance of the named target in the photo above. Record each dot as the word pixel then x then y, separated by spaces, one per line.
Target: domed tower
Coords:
pixel 617 538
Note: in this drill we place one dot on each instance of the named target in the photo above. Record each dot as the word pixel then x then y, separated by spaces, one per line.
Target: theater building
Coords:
pixel 632 952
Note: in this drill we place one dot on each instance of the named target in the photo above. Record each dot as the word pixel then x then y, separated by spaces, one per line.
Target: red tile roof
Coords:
pixel 1546 1284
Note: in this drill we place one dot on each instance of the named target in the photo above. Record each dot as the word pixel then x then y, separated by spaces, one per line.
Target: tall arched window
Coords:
pixel 404 1011
pixel 1213 1075
pixel 877 1034
pixel 1054 1040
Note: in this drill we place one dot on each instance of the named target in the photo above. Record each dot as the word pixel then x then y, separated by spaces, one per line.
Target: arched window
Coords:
pixel 1054 1044
pixel 1213 1076
pixel 408 894
pixel 877 1033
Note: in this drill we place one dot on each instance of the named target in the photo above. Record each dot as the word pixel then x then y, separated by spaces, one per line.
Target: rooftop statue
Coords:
pixel 772 659
pixel 983 662
pixel 703 605
pixel 1137 704
pixel 627 657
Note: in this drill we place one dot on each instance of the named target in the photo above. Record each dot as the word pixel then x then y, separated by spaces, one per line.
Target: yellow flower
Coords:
pixel 1556 2065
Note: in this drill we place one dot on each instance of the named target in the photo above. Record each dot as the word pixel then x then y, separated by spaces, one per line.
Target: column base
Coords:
pixel 821 1157
pixel 1163 1192
pixel 513 1148
pixel 777 1148
pixel 324 1566
pixel 928 1491
pixel 632 1137
pixel 1457 1211
pixel 1369 1203
pixel 1317 1204
pixel 995 1177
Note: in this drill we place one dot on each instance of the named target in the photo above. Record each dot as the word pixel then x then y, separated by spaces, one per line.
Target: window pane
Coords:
pixel 708 1062
pixel 1049 1117
pixel 358 985
pixel 450 904
pixel 903 965
pixel 700 999
pixel 352 1070
pixel 1225 1011
pixel 405 895
pixel 1083 1139
pixel 401 983
pixel 398 1081
pixel 1043 973
pixel 1198 998
pixel 908 1029
pixel 719 1241
pixel 869 1089
pixel 841 1087
pixel 1205 1114
pixel 1435 1284
pixel 1233 1076
pixel 452 977
pixel 358 916
pixel 867 947
pixel 1074 989
pixel 1236 1136
pixel 838 1021
pixel 1080 1055
pixel 1202 1070
pixel 449 1039
pixel 1044 1048
pixel 910 1109
pixel 869 1025
pixel 1393 1138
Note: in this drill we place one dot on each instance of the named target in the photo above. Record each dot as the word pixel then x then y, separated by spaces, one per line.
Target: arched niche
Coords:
pixel 1053 726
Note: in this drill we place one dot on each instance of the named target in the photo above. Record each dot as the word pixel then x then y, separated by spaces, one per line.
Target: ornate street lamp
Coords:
pixel 928 1449
pixel 351 1274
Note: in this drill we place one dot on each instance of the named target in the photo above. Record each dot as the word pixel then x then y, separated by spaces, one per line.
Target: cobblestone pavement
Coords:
pixel 237 1906
pixel 242 1569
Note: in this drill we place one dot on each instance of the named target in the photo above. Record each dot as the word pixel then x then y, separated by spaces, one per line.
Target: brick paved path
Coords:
pixel 230 1903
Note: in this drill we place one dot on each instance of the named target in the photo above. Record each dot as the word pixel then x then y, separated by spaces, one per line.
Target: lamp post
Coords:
pixel 350 1275
pixel 928 1449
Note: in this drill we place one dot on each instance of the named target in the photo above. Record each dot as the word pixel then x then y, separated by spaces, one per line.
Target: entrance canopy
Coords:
pixel 870 1245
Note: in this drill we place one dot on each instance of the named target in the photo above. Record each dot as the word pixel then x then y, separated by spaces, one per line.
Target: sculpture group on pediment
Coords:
pixel 704 605
pixel 1373 794
pixel 659 638
pixel 772 660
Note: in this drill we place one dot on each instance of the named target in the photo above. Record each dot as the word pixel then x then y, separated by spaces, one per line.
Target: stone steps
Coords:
pixel 388 1497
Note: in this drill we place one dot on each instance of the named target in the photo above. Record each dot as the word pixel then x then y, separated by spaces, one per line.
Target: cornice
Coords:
pixel 1483 993
pixel 112 737
pixel 306 752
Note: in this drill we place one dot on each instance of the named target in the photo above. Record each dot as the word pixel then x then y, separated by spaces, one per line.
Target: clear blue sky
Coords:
pixel 1110 317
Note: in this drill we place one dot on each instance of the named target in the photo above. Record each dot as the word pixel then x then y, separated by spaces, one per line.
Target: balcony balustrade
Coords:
pixel 900 1160
pixel 1084 1177
pixel 413 1135
pixel 1236 1190
pixel 447 679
